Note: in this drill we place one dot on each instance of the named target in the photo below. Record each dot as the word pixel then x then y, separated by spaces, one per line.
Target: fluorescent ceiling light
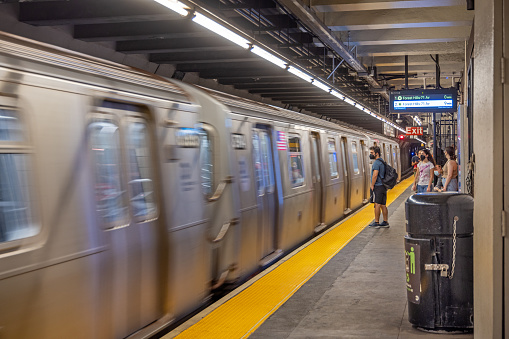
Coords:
pixel 337 94
pixel 221 30
pixel 269 57
pixel 174 5
pixel 300 74
pixel 321 85
pixel 350 101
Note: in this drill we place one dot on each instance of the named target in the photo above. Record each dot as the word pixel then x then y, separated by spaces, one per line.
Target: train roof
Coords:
pixel 27 49
pixel 233 101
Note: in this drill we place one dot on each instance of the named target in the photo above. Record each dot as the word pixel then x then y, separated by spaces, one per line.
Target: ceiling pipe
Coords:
pixel 323 32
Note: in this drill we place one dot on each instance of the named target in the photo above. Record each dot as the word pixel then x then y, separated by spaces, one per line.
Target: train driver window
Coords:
pixel 266 157
pixel 355 160
pixel 141 186
pixel 109 193
pixel 258 170
pixel 206 159
pixel 296 163
pixel 16 202
pixel 333 158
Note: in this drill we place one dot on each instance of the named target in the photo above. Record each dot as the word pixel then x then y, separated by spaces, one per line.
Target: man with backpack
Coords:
pixel 378 189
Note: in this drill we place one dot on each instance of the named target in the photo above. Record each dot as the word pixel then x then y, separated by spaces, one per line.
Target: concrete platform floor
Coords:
pixel 360 293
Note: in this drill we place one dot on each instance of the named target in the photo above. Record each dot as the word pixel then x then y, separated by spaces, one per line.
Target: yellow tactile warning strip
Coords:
pixel 244 313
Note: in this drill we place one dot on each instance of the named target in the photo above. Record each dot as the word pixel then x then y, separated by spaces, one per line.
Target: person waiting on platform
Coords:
pixel 378 190
pixel 424 179
pixel 415 161
pixel 438 174
pixel 450 171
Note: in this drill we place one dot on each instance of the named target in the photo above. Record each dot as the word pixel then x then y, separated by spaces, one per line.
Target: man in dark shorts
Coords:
pixel 378 190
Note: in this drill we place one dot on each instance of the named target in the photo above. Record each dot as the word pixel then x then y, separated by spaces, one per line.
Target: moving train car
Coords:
pixel 128 199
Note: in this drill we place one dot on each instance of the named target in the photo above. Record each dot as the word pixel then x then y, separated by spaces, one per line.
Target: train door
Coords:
pixel 317 179
pixel 366 171
pixel 395 159
pixel 122 156
pixel 346 177
pixel 266 188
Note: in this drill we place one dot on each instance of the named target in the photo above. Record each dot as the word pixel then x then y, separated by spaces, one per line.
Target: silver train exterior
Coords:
pixel 126 199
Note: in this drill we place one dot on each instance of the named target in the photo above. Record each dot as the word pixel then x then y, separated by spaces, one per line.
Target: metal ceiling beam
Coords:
pixel 168 29
pixel 226 73
pixel 221 56
pixel 280 97
pixel 371 5
pixel 260 81
pixel 175 45
pixel 281 91
pixel 248 4
pixel 399 60
pixel 259 65
pixel 92 12
pixel 400 16
pixel 415 49
pixel 306 101
pixel 362 36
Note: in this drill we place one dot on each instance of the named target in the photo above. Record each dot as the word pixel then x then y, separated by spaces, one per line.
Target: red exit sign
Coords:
pixel 414 131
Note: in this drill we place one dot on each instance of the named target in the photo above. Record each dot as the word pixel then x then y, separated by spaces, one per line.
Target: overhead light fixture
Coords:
pixel 349 101
pixel 337 94
pixel 321 85
pixel 417 120
pixel 175 6
pixel 221 30
pixel 422 141
pixel 300 74
pixel 269 57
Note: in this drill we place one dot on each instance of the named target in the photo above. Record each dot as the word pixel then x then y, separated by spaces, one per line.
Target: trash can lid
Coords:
pixel 434 213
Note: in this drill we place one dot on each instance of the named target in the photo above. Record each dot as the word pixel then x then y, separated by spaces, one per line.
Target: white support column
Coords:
pixel 488 190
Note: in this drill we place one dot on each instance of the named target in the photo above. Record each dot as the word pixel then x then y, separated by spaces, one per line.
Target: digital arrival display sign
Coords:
pixel 422 101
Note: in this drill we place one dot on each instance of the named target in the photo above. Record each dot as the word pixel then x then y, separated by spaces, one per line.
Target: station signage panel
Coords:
pixel 418 101
pixel 414 131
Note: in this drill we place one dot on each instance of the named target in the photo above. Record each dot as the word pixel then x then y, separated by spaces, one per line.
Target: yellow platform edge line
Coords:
pixel 244 313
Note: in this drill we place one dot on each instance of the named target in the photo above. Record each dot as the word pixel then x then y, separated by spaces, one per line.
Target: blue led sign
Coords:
pixel 418 101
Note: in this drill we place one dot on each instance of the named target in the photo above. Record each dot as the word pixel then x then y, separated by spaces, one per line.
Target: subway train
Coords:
pixel 128 199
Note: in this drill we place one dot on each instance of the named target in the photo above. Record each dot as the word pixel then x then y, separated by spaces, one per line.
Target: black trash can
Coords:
pixel 439 261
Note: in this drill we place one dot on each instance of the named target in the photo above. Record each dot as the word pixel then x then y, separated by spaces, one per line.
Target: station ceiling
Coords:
pixel 364 41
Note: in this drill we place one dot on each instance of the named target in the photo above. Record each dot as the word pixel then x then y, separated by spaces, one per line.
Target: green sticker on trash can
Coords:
pixel 413 272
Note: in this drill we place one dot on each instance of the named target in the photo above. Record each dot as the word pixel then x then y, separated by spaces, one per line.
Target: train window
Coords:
pixel 355 160
pixel 260 186
pixel 344 157
pixel 333 158
pixel 11 128
pixel 141 186
pixel 109 194
pixel 315 157
pixel 206 161
pixel 266 157
pixel 296 163
pixel 16 206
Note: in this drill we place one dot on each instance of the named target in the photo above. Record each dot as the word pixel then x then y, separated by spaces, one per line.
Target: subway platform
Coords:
pixel 347 283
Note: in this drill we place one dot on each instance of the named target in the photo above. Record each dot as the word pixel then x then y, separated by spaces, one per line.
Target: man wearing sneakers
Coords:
pixel 378 190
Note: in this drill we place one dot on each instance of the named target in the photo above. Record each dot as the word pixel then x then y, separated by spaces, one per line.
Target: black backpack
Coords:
pixel 391 176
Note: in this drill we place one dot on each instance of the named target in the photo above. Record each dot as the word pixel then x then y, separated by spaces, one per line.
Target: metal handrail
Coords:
pixel 220 189
pixel 223 231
